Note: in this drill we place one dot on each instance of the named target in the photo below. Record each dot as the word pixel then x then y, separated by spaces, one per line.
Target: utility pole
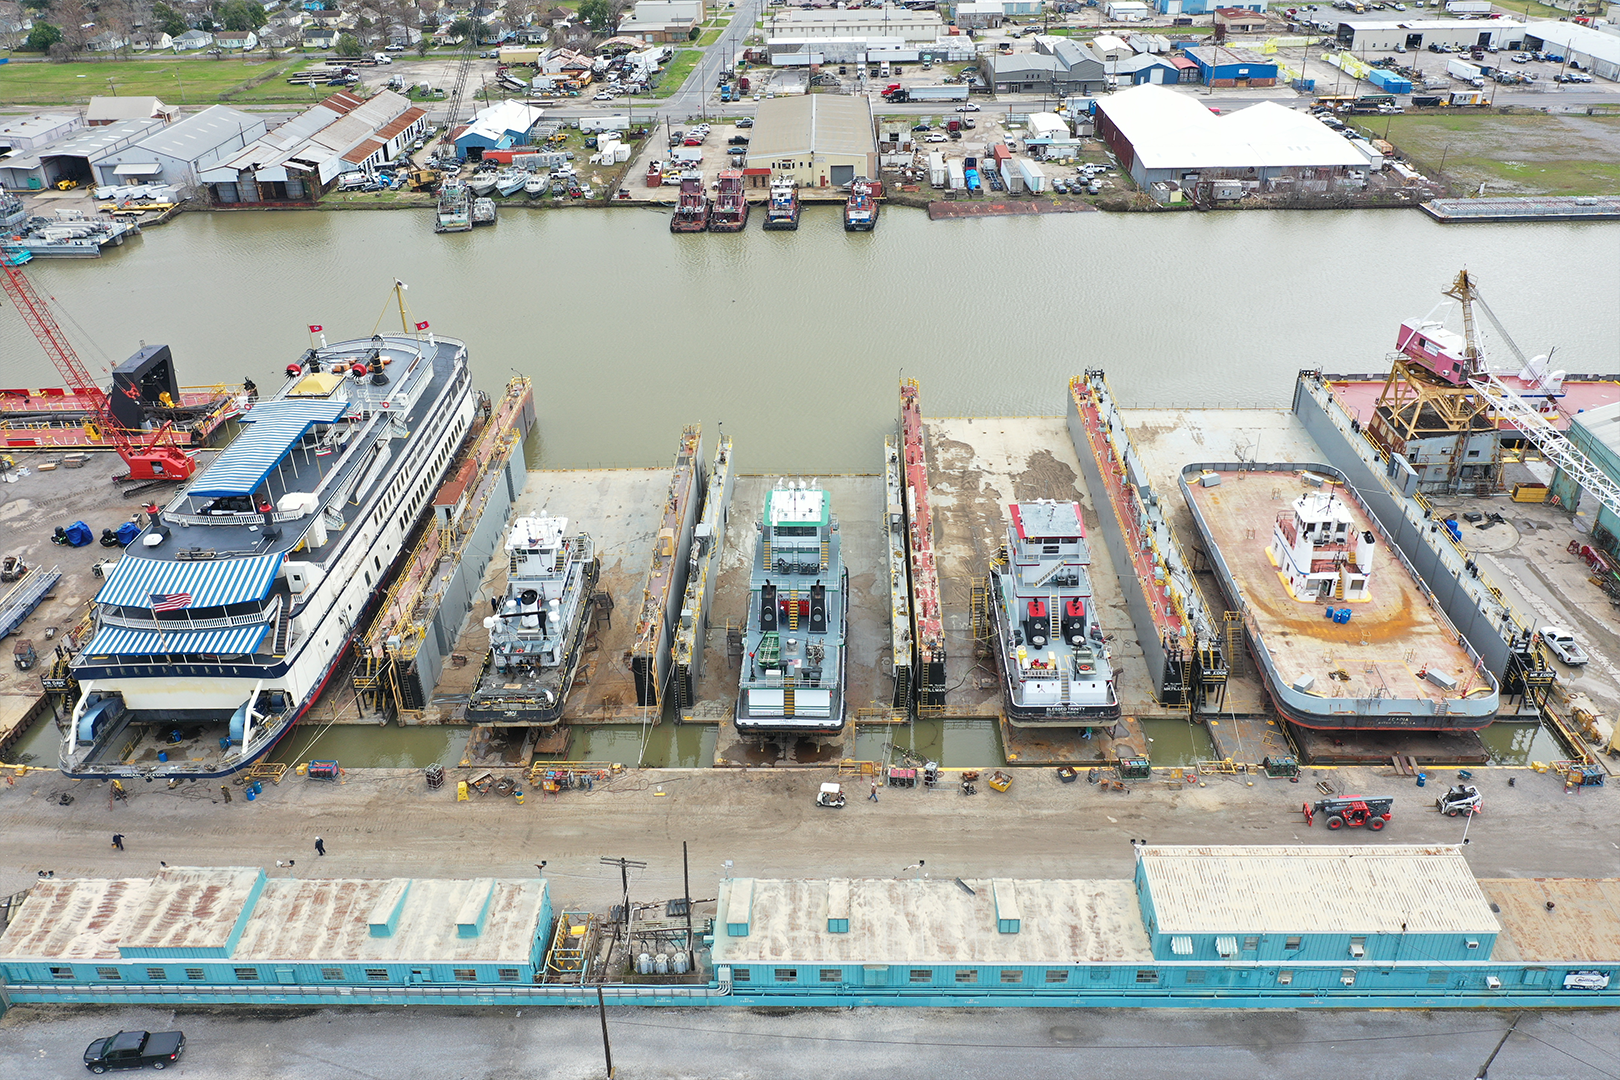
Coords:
pixel 686 886
pixel 624 866
pixel 607 1049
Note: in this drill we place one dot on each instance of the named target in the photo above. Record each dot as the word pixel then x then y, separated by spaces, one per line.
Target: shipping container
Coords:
pixel 956 175
pixel 938 93
pixel 1034 178
pixel 1389 81
pixel 936 169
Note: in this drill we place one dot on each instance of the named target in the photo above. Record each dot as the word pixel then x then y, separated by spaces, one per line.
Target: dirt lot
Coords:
pixel 1512 153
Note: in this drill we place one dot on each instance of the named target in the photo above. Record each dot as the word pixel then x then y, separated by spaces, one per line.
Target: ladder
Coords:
pixel 826 552
pixel 765 551
pixel 1338 586
pixel 1234 641
pixel 793 609
pixel 283 623
pixel 980 609
pixel 787 698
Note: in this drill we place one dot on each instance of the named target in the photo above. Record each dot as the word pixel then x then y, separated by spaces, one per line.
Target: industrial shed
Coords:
pixel 70 158
pixel 1596 433
pixel 223 928
pixel 1158 134
pixel 178 153
pixel 1287 904
pixel 1221 66
pixel 1415 34
pixel 1588 49
pixel 815 140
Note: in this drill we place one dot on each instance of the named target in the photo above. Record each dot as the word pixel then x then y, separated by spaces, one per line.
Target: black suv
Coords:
pixel 134 1050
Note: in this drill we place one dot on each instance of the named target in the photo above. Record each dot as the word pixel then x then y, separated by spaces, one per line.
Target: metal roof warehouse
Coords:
pixel 816 140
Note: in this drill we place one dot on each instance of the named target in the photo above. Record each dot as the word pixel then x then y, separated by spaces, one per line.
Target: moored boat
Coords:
pixel 511 182
pixel 730 212
pixel 483 183
pixel 793 672
pixel 1056 671
pixel 224 619
pixel 692 211
pixel 537 630
pixel 454 212
pixel 783 211
pixel 860 209
pixel 536 184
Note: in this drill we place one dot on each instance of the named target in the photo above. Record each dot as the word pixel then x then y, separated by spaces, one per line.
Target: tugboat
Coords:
pixel 1055 666
pixel 537 631
pixel 860 209
pixel 798 604
pixel 730 207
pixel 692 212
pixel 783 212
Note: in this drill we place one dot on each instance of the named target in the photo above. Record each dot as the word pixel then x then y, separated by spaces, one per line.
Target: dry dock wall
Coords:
pixel 1147 632
pixel 1482 630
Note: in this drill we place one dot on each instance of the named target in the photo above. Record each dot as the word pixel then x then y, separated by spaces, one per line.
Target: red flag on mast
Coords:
pixel 315 329
pixel 421 326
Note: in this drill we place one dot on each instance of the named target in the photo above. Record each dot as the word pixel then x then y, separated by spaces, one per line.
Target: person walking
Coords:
pixel 320 846
pixel 873 796
pixel 118 841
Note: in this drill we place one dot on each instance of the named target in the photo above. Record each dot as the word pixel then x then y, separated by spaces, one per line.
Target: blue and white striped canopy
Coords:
pixel 139 583
pixel 274 428
pixel 230 641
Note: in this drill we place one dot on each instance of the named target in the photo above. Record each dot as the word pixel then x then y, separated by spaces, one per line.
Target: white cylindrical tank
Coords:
pixel 661 964
pixel 678 962
pixel 644 964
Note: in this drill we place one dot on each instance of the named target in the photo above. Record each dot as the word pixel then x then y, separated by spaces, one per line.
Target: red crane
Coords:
pixel 157 458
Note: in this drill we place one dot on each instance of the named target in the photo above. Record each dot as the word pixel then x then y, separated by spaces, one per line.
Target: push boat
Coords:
pixel 860 209
pixel 1346 635
pixel 222 622
pixel 793 672
pixel 537 630
pixel 1056 671
pixel 730 212
pixel 692 211
pixel 455 207
pixel 783 211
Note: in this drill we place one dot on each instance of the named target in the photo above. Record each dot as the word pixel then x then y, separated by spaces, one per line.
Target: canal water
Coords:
pixel 795 342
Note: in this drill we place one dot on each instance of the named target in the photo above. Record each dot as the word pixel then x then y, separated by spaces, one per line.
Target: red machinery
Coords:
pixel 1352 810
pixel 157 458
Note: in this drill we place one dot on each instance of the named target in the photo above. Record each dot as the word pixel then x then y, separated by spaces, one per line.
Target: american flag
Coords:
pixel 172 601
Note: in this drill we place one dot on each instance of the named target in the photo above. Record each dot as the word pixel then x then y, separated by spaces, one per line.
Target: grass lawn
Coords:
pixel 709 38
pixel 676 71
pixel 1515 154
pixel 177 82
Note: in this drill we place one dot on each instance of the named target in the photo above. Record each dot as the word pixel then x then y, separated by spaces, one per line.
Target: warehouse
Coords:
pixel 1061 68
pixel 305 155
pixel 177 154
pixel 984 15
pixel 1161 135
pixel 1221 66
pixel 887 21
pixel 498 127
pixel 1413 34
pixel 1587 49
pixel 815 140
pixel 105 110
pixel 72 158
pixel 207 930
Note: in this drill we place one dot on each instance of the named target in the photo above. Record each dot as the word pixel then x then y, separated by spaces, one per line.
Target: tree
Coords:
pixel 242 15
pixel 599 13
pixel 42 37
pixel 462 28
pixel 347 45
pixel 168 20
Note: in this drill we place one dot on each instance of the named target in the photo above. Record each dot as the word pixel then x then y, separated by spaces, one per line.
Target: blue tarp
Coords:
pixel 142 583
pixel 78 534
pixel 229 641
pixel 274 428
pixel 127 532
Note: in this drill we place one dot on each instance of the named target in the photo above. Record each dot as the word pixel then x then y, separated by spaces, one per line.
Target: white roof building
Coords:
pixel 1160 134
pixel 1594 50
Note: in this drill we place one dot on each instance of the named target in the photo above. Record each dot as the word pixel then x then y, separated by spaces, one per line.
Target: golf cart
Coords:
pixel 831 795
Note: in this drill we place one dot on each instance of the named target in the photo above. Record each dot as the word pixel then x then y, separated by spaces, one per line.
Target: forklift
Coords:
pixel 1352 810
pixel 1460 799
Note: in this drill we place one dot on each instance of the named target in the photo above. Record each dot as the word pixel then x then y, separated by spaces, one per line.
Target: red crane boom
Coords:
pixel 155 459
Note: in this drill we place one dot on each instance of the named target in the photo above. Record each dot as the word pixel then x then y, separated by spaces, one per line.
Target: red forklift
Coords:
pixel 1351 810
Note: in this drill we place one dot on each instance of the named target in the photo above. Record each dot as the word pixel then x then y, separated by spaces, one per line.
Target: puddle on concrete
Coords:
pixel 954 743
pixel 1520 744
pixel 1177 742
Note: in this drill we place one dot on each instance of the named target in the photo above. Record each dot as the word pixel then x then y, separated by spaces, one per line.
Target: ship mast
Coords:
pixel 399 295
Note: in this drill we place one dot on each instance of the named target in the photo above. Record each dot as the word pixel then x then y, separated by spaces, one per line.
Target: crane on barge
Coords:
pixel 158 458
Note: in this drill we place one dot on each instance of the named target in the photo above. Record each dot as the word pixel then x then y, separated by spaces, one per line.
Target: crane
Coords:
pixel 1507 404
pixel 446 150
pixel 157 458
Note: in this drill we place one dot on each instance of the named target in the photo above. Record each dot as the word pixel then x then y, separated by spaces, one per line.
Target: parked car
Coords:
pixel 738 140
pixel 922 127
pixel 603 96
pixel 746 122
pixel 969 107
pixel 1564 646
pixel 135 1050
pixel 936 137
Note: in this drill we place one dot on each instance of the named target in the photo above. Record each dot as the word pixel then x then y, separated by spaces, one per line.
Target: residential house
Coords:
pixel 318 37
pixel 236 40
pixel 193 39
pixel 107 41
pixel 148 40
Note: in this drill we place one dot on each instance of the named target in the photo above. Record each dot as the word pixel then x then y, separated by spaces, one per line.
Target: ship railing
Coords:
pixel 268 614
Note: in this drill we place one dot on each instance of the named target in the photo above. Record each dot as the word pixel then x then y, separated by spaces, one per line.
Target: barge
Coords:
pixel 793 669
pixel 228 614
pixel 1055 667
pixel 928 627
pixel 659 610
pixel 1345 633
pixel 708 546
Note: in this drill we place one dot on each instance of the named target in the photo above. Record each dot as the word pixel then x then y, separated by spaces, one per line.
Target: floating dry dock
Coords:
pixel 708 546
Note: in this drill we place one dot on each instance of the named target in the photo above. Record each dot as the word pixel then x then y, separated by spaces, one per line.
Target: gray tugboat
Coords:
pixel 1055 666
pixel 537 630
pixel 793 671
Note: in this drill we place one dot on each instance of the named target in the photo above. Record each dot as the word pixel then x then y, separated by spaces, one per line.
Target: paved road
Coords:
pixel 501 1044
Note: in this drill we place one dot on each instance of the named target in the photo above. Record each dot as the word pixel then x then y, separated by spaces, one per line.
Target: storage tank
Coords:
pixel 644 964
pixel 678 963
pixel 661 964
